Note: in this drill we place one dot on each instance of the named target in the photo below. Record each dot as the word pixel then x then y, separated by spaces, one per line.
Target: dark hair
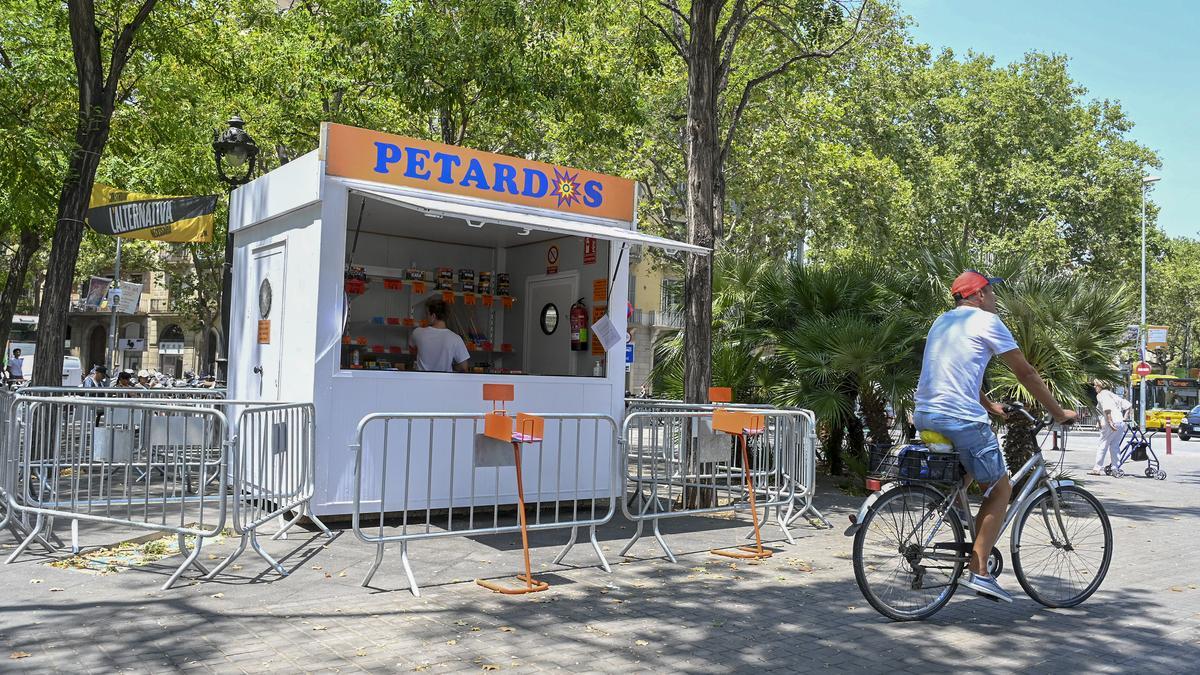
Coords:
pixel 124 375
pixel 436 308
pixel 16 351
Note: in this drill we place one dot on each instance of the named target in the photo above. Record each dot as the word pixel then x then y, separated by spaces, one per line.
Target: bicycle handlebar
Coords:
pixel 1039 425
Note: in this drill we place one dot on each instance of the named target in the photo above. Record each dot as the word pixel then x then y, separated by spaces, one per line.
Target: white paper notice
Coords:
pixel 606 331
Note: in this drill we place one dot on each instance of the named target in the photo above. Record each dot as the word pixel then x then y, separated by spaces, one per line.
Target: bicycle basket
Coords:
pixel 914 463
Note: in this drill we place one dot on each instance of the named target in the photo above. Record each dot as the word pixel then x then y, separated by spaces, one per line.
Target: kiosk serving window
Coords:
pixel 522 300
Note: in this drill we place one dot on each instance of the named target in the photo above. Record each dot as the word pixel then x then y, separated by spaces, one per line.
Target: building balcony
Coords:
pixel 657 318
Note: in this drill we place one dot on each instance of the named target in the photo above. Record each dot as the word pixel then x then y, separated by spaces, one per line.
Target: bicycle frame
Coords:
pixel 1035 468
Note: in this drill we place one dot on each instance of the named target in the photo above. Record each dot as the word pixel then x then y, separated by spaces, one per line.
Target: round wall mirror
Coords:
pixel 549 318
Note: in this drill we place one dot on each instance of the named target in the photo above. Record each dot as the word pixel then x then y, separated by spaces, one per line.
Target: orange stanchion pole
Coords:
pixel 725 421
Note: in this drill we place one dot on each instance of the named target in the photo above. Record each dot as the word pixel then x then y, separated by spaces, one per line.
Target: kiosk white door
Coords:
pixel 550 353
pixel 264 309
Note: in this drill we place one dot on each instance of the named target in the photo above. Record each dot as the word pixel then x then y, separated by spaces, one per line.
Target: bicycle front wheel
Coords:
pixel 1060 558
pixel 907 557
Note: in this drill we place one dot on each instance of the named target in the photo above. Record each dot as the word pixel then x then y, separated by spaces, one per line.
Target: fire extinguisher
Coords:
pixel 579 331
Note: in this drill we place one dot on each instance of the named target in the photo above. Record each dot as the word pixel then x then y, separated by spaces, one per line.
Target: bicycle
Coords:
pixel 910 546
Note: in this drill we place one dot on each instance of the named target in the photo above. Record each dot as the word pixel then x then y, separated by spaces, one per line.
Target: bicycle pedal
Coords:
pixel 989 597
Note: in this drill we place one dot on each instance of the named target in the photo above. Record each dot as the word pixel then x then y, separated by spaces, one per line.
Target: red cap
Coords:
pixel 971 282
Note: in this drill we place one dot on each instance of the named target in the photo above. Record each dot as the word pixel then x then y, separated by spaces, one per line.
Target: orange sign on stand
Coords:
pixel 600 290
pixel 720 395
pixel 264 331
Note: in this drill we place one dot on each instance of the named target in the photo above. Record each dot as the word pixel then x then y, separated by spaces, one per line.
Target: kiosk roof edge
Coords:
pixel 556 223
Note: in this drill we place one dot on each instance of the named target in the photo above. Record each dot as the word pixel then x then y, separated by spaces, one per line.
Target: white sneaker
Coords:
pixel 985 585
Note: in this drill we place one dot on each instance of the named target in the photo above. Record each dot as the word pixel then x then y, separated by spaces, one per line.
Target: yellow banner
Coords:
pixel 135 215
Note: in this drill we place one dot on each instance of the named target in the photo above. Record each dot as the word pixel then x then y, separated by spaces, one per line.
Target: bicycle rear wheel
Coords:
pixel 1062 565
pixel 898 573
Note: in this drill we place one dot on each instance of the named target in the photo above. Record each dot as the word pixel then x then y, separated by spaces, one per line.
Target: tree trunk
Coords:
pixel 18 268
pixel 97 99
pixel 703 166
pixel 833 448
pixel 64 251
pixel 875 413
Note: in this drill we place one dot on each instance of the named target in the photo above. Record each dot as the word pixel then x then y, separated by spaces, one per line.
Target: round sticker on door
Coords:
pixel 552 254
pixel 264 298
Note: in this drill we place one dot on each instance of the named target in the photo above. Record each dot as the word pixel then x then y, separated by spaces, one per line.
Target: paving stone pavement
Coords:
pixel 799 611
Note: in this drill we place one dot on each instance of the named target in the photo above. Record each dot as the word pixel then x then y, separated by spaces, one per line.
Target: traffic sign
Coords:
pixel 1142 369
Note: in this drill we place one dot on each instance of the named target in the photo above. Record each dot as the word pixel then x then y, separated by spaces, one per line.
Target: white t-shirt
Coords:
pixel 957 351
pixel 438 349
pixel 14 367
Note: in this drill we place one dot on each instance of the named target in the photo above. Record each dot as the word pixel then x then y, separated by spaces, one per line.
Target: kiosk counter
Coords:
pixel 339 254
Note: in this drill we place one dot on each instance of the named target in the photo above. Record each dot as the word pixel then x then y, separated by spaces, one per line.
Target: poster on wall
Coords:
pixel 97 294
pixel 589 250
pixel 552 259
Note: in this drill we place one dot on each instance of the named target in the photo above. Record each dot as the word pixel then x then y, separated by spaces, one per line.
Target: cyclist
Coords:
pixel 950 400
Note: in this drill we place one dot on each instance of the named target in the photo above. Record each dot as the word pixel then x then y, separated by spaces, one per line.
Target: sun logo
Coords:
pixel 566 188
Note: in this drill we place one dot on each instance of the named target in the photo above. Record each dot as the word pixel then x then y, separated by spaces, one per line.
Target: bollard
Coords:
pixel 1168 428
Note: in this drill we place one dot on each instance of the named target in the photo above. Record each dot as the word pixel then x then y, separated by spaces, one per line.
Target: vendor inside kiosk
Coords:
pixel 505 300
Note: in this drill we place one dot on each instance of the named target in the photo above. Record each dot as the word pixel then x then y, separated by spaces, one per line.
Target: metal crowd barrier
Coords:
pixel 273 473
pixel 676 465
pixel 803 473
pixel 135 461
pixel 440 477
pixel 118 462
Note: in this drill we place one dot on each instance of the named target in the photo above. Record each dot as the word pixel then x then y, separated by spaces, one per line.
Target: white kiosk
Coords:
pixel 338 252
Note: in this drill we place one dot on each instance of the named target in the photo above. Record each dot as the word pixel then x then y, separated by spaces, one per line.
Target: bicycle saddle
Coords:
pixel 936 442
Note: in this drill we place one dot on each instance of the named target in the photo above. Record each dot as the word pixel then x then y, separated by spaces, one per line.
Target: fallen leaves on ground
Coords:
pixel 319 627
pixel 490 666
pixel 640 643
pixel 218 595
pixel 19 655
pixel 507 629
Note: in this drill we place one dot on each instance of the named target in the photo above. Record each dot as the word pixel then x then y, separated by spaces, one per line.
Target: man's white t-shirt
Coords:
pixel 957 351
pixel 438 349
pixel 14 367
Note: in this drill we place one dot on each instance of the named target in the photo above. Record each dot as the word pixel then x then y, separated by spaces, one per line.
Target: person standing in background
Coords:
pixel 1111 420
pixel 13 368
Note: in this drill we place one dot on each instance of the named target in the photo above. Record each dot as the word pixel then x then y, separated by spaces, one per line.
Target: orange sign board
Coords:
pixel 264 331
pixel 362 154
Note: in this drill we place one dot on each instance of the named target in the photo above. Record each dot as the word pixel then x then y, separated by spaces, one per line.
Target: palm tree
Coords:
pixel 837 344
pixel 1071 330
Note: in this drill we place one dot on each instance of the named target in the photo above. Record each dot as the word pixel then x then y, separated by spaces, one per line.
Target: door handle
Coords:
pixel 258 370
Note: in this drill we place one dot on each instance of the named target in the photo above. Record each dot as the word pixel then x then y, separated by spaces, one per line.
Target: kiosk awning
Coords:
pixel 484 214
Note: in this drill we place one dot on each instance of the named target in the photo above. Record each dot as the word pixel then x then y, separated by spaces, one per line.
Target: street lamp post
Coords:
pixel 1147 181
pixel 236 155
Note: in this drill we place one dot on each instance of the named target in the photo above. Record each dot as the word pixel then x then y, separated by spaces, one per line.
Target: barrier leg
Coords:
pixel 375 565
pixel 233 556
pixel 74 537
pixel 637 534
pixel 266 556
pixel 191 560
pixel 567 548
pixel 33 534
pixel 285 525
pixel 412 580
pixel 663 543
pixel 748 552
pixel 531 585
pixel 596 548
pixel 313 517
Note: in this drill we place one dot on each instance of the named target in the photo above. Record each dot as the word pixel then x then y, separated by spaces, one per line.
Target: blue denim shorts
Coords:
pixel 975 442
